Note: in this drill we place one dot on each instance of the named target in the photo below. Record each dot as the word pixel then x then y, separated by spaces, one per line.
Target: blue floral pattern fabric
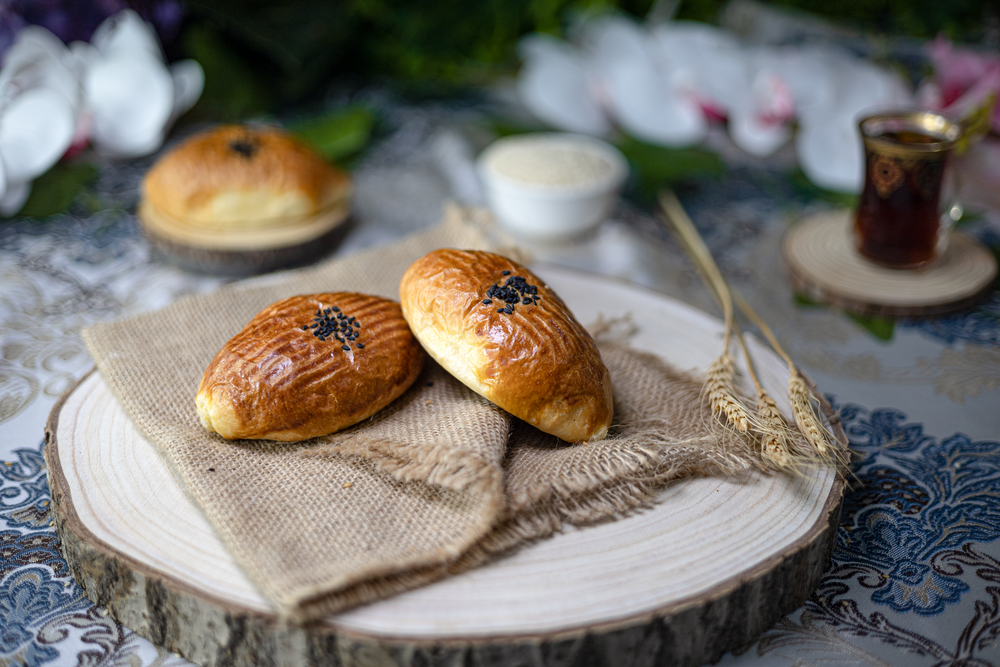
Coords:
pixel 45 617
pixel 918 538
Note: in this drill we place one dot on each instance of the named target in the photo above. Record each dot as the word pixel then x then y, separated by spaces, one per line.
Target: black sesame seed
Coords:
pixel 211 470
pixel 361 345
pixel 345 347
pixel 526 301
pixel 506 273
pixel 336 309
pixel 246 146
pixel 499 310
pixel 321 336
pixel 326 311
pixel 487 302
pixel 305 326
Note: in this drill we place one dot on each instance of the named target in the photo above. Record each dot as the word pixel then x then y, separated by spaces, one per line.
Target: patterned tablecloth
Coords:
pixel 915 577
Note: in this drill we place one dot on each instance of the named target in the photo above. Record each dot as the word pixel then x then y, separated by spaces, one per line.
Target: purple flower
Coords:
pixel 72 20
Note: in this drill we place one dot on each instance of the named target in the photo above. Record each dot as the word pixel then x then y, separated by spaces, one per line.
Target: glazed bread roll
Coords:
pixel 507 336
pixel 307 366
pixel 241 177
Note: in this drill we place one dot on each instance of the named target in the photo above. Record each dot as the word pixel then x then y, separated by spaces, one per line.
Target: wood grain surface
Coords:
pixel 244 252
pixel 710 566
pixel 824 265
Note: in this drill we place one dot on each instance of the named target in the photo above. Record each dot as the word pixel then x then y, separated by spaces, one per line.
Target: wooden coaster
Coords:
pixel 713 564
pixel 823 263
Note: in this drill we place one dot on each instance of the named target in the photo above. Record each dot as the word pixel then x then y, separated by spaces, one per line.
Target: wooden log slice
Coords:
pixel 245 252
pixel 824 265
pixel 714 563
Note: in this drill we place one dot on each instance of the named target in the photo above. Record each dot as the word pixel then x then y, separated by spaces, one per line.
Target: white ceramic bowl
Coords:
pixel 551 186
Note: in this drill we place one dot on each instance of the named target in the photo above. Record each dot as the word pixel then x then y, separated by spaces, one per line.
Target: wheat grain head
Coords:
pixel 775 437
pixel 805 416
pixel 722 395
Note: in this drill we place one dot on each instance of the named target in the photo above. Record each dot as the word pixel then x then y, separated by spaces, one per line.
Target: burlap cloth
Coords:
pixel 438 482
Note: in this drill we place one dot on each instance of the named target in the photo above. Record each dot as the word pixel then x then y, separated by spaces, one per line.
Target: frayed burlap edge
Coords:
pixel 438 465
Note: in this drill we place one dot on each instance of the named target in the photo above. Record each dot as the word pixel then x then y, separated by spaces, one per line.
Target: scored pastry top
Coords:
pixel 309 365
pixel 505 334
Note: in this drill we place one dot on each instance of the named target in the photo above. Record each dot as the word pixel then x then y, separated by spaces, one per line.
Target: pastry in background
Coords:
pixel 506 335
pixel 309 365
pixel 243 199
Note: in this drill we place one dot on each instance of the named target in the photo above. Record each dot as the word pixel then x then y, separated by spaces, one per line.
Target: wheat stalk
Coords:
pixel 721 373
pixel 768 423
pixel 799 394
pixel 771 427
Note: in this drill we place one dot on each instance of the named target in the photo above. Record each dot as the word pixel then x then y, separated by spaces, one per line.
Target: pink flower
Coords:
pixel 963 81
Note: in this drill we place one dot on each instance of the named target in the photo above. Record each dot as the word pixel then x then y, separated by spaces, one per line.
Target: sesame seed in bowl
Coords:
pixel 551 186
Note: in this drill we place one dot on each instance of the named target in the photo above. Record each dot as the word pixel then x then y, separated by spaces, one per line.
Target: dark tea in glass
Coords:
pixel 898 221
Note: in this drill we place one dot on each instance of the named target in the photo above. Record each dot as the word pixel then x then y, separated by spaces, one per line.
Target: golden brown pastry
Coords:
pixel 309 365
pixel 242 177
pixel 507 336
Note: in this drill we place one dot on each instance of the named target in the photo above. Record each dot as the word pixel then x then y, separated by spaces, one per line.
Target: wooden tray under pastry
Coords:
pixel 245 252
pixel 713 564
pixel 824 265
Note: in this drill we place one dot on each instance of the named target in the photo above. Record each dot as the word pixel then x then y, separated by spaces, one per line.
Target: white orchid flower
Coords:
pixel 840 91
pixel 730 84
pixel 116 92
pixel 38 97
pixel 709 57
pixel 763 122
pixel 557 86
pixel 615 75
pixel 662 84
pixel 131 96
pixel 648 98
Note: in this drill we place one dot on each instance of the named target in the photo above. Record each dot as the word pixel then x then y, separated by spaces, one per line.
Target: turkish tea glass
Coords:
pixel 902 220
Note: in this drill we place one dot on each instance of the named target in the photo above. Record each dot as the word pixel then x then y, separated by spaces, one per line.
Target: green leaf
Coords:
pixel 813 191
pixel 506 127
pixel 969 218
pixel 54 191
pixel 806 301
pixel 232 91
pixel 657 167
pixel 338 135
pixel 880 327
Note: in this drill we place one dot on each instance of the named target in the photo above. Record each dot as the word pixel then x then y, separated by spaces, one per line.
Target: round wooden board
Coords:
pixel 713 564
pixel 823 264
pixel 245 252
